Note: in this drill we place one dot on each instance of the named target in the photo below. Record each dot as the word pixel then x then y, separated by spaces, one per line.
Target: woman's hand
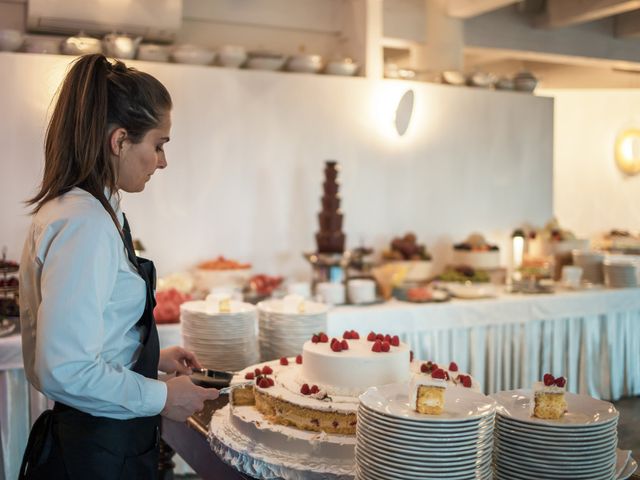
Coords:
pixel 177 360
pixel 184 398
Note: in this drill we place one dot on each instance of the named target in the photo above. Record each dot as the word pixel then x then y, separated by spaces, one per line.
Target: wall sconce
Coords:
pixel 627 151
pixel 517 251
pixel 404 112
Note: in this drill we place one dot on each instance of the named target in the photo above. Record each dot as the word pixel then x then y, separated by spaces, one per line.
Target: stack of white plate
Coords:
pixel 284 327
pixel 221 340
pixel 580 445
pixel 620 274
pixel 393 441
pixel 591 264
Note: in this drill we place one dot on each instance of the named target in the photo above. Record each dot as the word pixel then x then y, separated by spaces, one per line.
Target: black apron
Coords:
pixel 66 443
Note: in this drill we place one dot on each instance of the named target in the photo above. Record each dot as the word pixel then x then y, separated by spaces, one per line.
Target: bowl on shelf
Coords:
pixel 266 61
pixel 42 44
pixel 151 52
pixel 305 63
pixel 193 55
pixel 10 40
pixel 80 44
pixel 525 82
pixel 232 56
pixel 345 67
pixel 504 83
pixel 453 77
pixel 120 46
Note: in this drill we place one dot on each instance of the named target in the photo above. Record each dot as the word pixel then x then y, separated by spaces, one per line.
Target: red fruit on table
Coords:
pixel 395 341
pixel 346 334
pixel 336 346
pixel 344 345
pixel 267 370
pixel 380 337
pixel 314 389
pixel 284 361
pixel 466 381
pixel 323 338
pixel 411 355
pixel 315 339
pixel 438 373
pixel 377 346
pixel 257 372
pixel 354 335
pixel 386 346
pixel 271 381
pixel 263 383
pixel 250 376
pixel 560 382
pixel 371 337
pixel 387 338
pixel 305 390
pixel 299 359
pixel 424 368
pixel 453 366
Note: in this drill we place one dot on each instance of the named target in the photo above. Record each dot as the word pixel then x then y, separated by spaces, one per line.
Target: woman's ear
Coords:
pixel 116 140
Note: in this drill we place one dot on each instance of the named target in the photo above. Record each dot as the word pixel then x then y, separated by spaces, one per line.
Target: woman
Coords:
pixel 89 338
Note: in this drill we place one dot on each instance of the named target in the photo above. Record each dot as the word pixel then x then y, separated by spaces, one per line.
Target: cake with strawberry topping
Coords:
pixel 318 391
pixel 548 398
pixel 450 372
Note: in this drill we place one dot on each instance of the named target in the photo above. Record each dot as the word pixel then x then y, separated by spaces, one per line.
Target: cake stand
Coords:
pixel 257 460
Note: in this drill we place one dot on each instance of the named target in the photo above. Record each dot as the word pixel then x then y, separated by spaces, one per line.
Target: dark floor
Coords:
pixel 628 429
pixel 629 425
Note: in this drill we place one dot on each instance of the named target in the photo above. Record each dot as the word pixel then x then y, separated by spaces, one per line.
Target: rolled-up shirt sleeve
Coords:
pixel 79 271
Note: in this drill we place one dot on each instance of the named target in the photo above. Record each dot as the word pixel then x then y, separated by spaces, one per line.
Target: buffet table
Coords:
pixel 592 337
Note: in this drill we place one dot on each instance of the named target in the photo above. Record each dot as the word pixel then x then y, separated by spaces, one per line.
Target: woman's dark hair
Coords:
pixel 95 97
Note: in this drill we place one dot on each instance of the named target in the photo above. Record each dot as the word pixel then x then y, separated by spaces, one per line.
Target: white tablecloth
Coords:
pixel 591 337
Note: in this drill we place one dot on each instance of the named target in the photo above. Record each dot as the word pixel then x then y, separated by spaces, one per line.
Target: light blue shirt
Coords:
pixel 80 300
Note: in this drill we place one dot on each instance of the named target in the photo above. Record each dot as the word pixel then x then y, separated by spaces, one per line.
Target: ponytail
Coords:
pixel 96 96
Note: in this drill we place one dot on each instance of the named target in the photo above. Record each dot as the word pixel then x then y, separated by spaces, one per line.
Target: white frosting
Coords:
pixel 426 380
pixel 475 385
pixel 540 387
pixel 352 371
pixel 250 422
pixel 480 260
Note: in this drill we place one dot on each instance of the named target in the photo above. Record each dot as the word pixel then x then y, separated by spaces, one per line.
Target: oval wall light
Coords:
pixel 627 151
pixel 404 112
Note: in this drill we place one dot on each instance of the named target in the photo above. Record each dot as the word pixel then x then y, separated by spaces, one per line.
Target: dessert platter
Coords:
pixel 407 253
pixel 297 417
pixel 477 253
pixel 547 433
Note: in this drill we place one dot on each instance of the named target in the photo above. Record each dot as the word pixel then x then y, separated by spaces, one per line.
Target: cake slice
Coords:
pixel 426 394
pixel 548 398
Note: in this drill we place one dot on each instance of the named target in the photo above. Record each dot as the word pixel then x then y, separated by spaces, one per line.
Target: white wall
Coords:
pixel 591 196
pixel 247 152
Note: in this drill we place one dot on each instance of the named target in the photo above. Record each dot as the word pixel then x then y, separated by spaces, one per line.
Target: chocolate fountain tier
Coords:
pixel 330 222
pixel 331 204
pixel 330 189
pixel 330 242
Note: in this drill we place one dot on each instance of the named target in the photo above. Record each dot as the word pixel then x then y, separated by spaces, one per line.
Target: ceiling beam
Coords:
pixel 473 8
pixel 562 13
pixel 628 25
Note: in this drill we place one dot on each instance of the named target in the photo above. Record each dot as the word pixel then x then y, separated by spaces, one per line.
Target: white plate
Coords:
pixel 540 442
pixel 460 404
pixel 434 458
pixel 508 455
pixel 454 426
pixel 593 429
pixel 381 465
pixel 582 409
pixel 472 290
pixel 400 430
pixel 629 469
pixel 418 445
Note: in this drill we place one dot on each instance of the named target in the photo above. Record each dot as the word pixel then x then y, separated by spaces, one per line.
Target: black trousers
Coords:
pixel 84 447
